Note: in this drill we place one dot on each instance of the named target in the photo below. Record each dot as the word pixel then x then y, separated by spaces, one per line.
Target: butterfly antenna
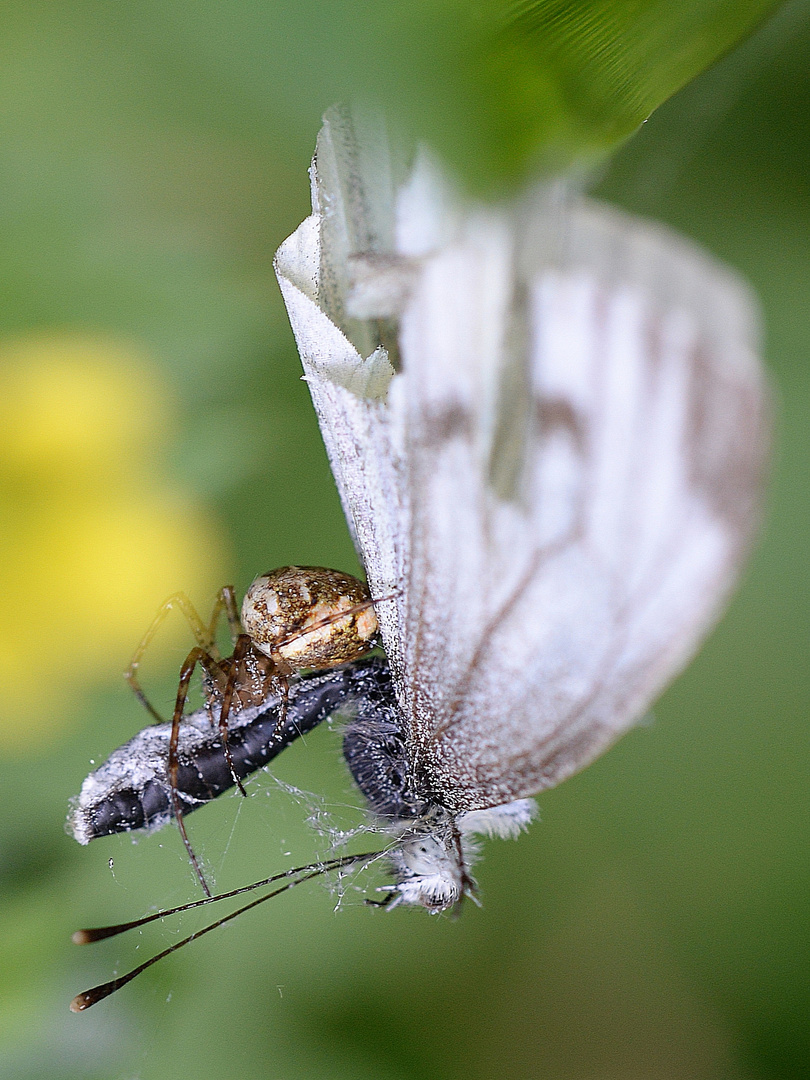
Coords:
pixel 297 875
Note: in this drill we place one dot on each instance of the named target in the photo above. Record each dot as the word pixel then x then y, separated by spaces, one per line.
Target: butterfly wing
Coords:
pixel 586 433
pixel 561 480
pixel 347 360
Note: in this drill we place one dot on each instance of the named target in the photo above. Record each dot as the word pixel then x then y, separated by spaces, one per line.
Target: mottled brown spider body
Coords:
pixel 308 617
pixel 292 618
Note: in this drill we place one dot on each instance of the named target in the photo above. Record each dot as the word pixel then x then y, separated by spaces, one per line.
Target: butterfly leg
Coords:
pixel 385 902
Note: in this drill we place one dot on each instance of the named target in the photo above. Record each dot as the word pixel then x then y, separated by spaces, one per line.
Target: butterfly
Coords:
pixel 549 430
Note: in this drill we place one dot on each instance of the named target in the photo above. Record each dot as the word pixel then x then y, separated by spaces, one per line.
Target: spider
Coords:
pixel 292 618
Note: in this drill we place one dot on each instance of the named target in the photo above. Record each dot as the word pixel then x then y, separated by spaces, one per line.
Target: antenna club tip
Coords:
pixel 82 937
pixel 81 1002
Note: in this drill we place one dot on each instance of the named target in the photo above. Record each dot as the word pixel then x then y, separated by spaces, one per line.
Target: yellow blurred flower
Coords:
pixel 92 538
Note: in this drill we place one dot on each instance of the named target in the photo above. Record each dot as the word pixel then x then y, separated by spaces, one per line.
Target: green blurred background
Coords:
pixel 154 434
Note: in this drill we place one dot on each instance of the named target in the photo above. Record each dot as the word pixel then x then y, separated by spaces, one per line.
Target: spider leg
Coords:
pixel 327 620
pixel 198 655
pixel 225 601
pixel 284 693
pixel 282 682
pixel 202 634
pixel 241 648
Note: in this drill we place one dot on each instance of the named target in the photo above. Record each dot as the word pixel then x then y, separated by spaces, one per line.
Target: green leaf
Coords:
pixel 499 87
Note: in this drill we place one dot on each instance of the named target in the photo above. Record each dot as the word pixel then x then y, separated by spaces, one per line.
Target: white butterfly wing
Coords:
pixel 561 482
pixel 586 434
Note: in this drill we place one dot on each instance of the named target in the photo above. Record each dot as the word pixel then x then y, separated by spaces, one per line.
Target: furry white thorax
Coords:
pixel 432 861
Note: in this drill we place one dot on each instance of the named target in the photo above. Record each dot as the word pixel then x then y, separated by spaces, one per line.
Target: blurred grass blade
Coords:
pixel 499 87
